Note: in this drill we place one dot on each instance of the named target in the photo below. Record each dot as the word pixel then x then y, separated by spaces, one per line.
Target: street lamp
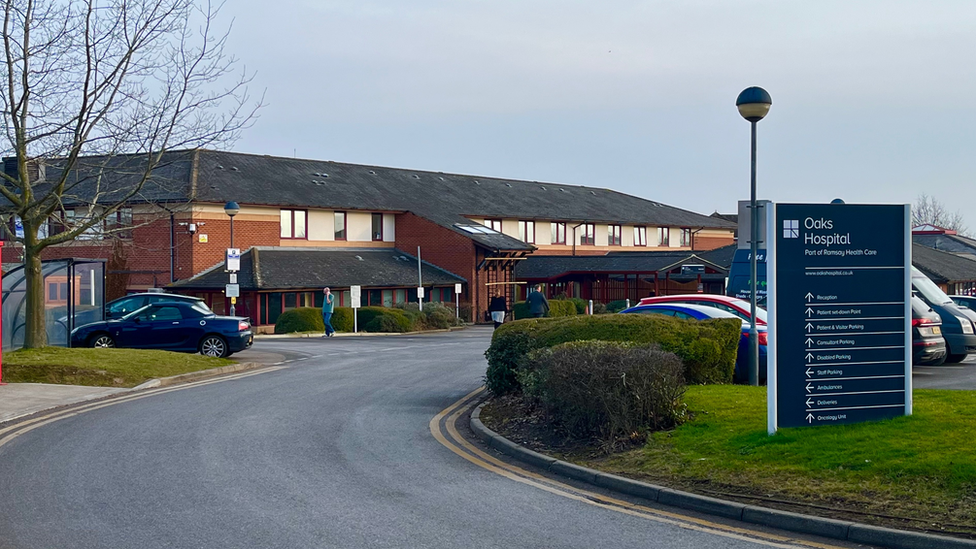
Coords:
pixel 231 209
pixel 753 104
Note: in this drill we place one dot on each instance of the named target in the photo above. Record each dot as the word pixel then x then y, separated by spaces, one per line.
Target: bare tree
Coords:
pixel 97 93
pixel 928 210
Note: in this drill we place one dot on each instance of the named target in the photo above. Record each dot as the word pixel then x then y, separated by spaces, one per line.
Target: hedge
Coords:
pixel 608 390
pixel 557 307
pixel 302 319
pixel 707 348
pixel 384 319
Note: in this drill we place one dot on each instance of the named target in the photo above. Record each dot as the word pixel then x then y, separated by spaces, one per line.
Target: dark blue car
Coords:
pixel 172 326
pixel 702 312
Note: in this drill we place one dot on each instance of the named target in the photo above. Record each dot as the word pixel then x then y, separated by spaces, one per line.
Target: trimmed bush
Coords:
pixel 302 319
pixel 606 389
pixel 342 319
pixel 557 307
pixel 384 319
pixel 580 305
pixel 616 306
pixel 706 347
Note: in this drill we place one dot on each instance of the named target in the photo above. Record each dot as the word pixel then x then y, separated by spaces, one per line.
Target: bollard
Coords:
pixel 590 310
pixel 628 302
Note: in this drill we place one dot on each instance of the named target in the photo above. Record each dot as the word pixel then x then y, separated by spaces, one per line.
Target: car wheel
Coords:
pixel 215 346
pixel 955 359
pixel 103 341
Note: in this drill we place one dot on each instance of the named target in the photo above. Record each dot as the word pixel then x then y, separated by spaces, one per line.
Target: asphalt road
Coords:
pixel 331 449
pixel 960 376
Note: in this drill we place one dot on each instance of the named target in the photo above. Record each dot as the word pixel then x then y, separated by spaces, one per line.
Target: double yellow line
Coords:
pixel 19 428
pixel 460 446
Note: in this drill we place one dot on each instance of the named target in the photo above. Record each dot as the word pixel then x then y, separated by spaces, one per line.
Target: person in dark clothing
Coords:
pixel 538 304
pixel 498 308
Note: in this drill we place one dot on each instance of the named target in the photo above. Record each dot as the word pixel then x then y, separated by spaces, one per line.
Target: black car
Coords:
pixel 957 323
pixel 928 345
pixel 117 308
pixel 169 325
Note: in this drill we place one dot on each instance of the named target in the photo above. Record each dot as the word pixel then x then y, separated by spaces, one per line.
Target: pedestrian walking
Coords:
pixel 498 308
pixel 327 308
pixel 538 304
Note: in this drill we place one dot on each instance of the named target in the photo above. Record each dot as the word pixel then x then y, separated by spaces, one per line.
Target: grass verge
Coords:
pixel 916 472
pixel 100 367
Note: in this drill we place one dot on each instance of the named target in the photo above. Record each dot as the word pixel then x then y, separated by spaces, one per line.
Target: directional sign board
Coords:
pixel 840 334
pixel 355 296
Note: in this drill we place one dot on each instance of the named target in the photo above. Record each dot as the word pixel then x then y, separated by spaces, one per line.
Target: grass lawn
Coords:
pixel 921 467
pixel 100 367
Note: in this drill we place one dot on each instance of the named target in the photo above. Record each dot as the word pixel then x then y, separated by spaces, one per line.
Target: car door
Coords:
pixel 135 331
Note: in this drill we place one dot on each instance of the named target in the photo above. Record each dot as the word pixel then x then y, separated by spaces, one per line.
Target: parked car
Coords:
pixel 183 326
pixel 739 307
pixel 967 301
pixel 117 308
pixel 702 312
pixel 928 345
pixel 957 328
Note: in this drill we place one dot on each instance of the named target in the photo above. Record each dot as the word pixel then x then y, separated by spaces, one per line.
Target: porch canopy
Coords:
pixel 622 276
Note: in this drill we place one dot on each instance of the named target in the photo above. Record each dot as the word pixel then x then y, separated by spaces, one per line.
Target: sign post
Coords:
pixel 232 263
pixel 839 299
pixel 354 299
pixel 457 300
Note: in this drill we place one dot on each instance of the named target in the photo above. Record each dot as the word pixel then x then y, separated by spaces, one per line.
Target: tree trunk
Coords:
pixel 35 335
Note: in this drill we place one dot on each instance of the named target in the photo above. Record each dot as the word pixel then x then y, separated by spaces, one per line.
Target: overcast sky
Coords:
pixel 872 101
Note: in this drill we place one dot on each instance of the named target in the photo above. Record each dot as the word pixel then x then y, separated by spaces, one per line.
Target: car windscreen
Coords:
pixel 929 291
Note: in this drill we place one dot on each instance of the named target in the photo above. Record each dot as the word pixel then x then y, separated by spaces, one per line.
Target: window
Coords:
pixel 294 224
pixel 558 231
pixel 613 235
pixel 52 292
pixel 685 237
pixel 121 222
pixel 340 225
pixel 527 231
pixel 662 236
pixel 587 234
pixel 494 224
pixel 640 236
pixel 377 227
pixel 167 313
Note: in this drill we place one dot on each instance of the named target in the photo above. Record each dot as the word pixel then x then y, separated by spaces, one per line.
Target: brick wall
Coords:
pixel 247 234
pixel 439 246
pixel 711 242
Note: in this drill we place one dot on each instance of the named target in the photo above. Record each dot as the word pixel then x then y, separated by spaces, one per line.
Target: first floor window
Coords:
pixel 662 236
pixel 587 234
pixel 377 227
pixel 686 237
pixel 293 224
pixel 494 224
pixel 558 231
pixel 527 231
pixel 340 225
pixel 613 235
pixel 640 236
pixel 121 222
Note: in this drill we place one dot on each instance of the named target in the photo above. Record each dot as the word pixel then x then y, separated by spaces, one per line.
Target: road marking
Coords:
pixel 471 453
pixel 13 431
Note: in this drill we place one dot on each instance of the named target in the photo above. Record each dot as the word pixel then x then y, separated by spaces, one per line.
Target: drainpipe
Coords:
pixel 574 237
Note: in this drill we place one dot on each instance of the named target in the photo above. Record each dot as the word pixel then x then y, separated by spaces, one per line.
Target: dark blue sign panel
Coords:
pixel 840 314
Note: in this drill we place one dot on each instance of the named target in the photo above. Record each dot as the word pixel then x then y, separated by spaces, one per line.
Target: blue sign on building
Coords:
pixel 839 307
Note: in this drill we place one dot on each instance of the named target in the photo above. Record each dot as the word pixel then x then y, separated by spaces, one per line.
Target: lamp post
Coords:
pixel 231 209
pixel 753 104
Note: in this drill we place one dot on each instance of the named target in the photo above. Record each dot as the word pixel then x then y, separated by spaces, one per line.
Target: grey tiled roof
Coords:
pixel 943 267
pixel 282 268
pixel 539 267
pixel 952 243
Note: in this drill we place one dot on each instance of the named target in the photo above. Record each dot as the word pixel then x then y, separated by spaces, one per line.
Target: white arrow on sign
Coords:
pixel 809 311
pixel 809 342
pixel 809 326
pixel 809 402
pixel 809 418
pixel 809 372
pixel 809 357
pixel 809 387
pixel 809 296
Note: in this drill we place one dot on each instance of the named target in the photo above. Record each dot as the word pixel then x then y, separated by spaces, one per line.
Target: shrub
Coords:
pixel 439 317
pixel 302 319
pixel 605 389
pixel 342 319
pixel 706 347
pixel 599 309
pixel 384 319
pixel 580 305
pixel 557 307
pixel 616 306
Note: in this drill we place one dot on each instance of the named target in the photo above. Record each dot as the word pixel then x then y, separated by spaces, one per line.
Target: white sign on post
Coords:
pixel 420 292
pixel 232 290
pixel 354 297
pixel 457 288
pixel 233 259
